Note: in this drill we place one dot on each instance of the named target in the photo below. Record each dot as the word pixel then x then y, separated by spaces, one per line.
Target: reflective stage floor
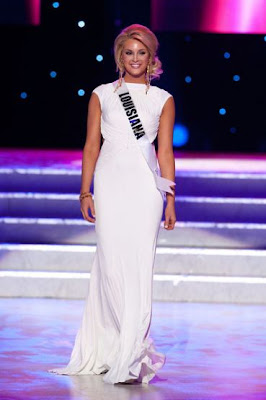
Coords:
pixel 213 352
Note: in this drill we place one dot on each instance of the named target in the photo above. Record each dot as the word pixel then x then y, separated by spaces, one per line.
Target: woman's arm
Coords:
pixel 166 157
pixel 90 154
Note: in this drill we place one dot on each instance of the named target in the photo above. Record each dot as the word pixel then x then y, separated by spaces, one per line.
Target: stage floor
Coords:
pixel 213 352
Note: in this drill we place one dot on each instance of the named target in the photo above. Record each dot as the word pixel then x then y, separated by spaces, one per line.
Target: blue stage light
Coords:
pixel 53 74
pixel 227 55
pixel 81 24
pixel 265 38
pixel 99 57
pixel 236 78
pixel 56 4
pixel 232 129
pixel 23 95
pixel 188 79
pixel 181 135
pixel 81 92
pixel 222 111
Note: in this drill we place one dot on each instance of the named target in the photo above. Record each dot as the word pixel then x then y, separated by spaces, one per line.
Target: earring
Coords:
pixel 121 71
pixel 120 79
pixel 148 78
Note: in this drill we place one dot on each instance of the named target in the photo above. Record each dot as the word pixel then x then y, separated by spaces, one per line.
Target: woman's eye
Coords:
pixel 129 53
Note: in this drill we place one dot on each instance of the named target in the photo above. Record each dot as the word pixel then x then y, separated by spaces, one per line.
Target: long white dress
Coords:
pixel 114 335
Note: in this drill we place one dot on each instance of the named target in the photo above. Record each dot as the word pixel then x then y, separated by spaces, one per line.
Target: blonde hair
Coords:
pixel 146 37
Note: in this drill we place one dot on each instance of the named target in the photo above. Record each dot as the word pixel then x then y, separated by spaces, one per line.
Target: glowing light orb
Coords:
pixel 181 135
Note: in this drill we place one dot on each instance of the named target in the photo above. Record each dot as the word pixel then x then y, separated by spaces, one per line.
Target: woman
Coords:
pixel 127 210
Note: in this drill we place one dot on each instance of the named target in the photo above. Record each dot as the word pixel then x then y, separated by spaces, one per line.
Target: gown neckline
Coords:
pixel 135 85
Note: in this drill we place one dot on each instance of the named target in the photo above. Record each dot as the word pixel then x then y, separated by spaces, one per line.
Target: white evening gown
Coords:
pixel 114 332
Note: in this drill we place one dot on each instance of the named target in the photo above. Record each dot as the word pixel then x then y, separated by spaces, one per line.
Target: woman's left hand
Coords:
pixel 170 216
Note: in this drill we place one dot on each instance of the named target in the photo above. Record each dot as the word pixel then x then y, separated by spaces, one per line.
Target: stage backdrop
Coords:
pixel 54 53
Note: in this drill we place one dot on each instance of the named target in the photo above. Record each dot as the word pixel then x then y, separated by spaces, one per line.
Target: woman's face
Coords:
pixel 135 57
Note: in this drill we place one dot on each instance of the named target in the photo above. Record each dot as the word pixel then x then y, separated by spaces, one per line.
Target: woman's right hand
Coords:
pixel 87 204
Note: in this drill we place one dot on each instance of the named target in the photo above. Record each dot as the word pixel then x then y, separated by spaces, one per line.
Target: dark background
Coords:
pixel 54 116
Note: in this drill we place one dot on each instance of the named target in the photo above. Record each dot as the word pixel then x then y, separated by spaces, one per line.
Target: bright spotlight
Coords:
pixel 181 135
pixel 222 111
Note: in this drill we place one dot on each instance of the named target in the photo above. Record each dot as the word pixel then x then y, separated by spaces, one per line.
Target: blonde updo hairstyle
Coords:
pixel 146 37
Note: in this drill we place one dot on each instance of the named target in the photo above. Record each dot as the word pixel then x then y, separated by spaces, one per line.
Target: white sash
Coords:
pixel 147 148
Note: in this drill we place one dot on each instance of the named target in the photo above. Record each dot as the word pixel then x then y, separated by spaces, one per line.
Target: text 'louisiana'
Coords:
pixel 132 114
